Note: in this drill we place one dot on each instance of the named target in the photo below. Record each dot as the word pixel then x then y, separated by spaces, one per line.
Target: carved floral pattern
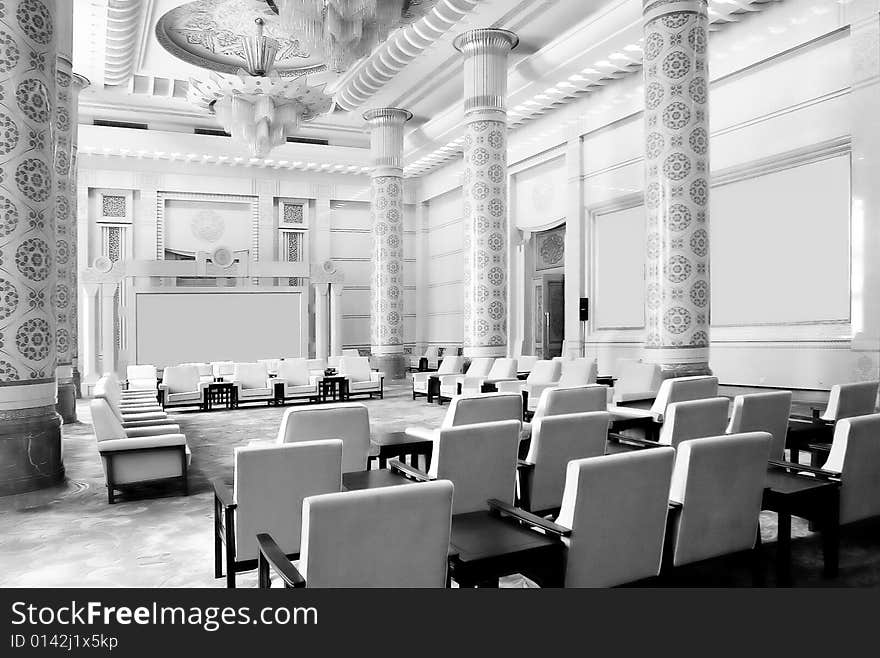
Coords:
pixel 386 279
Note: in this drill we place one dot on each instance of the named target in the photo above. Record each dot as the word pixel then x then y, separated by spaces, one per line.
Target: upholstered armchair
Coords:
pixel 708 493
pixel 361 379
pixel 480 460
pixel 570 400
pixel 137 455
pixel 544 374
pixel 181 387
pixel 349 422
pixel 295 380
pixel 503 370
pixel 253 383
pixel 612 522
pixel 524 364
pixel 557 440
pixel 429 361
pixel 206 371
pixel 467 410
pixel 814 434
pixel 223 370
pixel 479 368
pixel 142 378
pixel 270 483
pixel 694 419
pixel 577 372
pixel 450 365
pixel 386 537
pixel 763 412
pixel 679 389
pixel 636 381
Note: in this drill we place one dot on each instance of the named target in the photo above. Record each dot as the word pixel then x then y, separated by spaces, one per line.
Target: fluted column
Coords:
pixel 321 331
pixel 64 299
pixel 386 215
pixel 335 319
pixel 677 185
pixel 30 437
pixel 484 189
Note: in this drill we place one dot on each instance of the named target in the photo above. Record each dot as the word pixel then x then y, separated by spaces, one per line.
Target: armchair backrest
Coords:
pixel 106 424
pixel 222 368
pixel 450 365
pixel 616 507
pixel 578 372
pixel 205 369
pixel 349 422
pixel 572 400
pixel 314 364
pixel 637 377
pixel 270 484
pixel 503 369
pixel 356 368
pixel 385 537
pixel 470 409
pixel 250 375
pixel 719 482
pixel 294 371
pixel 694 419
pixel 480 367
pixel 763 412
pixel 557 440
pixel 351 352
pixel 682 389
pixel 525 363
pixel 855 454
pixel 181 379
pixel 545 372
pixel 480 460
pixel 271 365
pixel 141 372
pixel 848 400
pixel 432 352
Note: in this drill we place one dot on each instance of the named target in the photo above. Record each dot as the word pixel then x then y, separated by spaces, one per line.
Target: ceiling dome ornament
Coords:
pixel 260 111
pixel 344 31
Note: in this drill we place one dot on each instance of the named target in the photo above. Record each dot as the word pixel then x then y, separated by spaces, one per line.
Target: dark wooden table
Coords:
pixel 484 547
pixel 333 388
pixel 399 444
pixel 220 393
pixel 359 480
pixel 433 387
pixel 815 499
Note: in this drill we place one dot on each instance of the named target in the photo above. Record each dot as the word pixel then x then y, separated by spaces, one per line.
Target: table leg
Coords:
pixel 428 453
pixel 783 549
pixel 831 535
pixel 383 461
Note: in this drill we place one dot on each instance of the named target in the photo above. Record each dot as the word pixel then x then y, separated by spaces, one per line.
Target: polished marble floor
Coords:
pixel 69 536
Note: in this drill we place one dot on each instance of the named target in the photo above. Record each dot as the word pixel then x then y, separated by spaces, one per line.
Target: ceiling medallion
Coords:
pixel 344 31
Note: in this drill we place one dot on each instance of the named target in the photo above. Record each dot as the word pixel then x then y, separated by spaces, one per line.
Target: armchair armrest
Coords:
pixel 504 510
pixel 149 422
pixel 510 386
pixel 446 380
pixel 828 475
pixel 425 433
pixel 152 430
pixel 223 493
pixel 377 376
pixel 524 466
pixel 810 419
pixel 142 443
pixel 399 467
pixel 421 377
pixel 272 556
pixel 645 443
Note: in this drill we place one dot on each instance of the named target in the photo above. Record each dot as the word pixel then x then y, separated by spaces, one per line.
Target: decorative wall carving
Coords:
pixel 550 248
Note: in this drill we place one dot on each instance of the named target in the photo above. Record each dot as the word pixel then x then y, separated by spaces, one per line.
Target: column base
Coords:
pixel 30 450
pixel 393 365
pixel 77 383
pixel 672 370
pixel 475 351
pixel 66 405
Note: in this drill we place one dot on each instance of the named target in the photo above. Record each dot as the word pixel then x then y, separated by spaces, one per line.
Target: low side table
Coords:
pixel 433 388
pixel 400 445
pixel 333 388
pixel 220 393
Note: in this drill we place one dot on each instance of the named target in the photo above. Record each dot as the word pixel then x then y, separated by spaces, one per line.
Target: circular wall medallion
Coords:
pixel 102 264
pixel 222 257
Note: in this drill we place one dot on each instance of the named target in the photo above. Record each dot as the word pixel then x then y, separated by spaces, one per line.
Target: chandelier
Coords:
pixel 344 30
pixel 257 106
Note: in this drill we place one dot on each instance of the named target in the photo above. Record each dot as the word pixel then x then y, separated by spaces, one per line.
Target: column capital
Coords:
pixel 485 40
pixel 386 139
pixel 485 72
pixel 80 82
pixel 654 9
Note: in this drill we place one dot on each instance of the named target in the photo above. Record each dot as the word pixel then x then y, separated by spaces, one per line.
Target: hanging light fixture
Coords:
pixel 344 30
pixel 257 106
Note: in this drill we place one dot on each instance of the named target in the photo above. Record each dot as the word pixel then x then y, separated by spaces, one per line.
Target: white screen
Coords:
pixel 177 328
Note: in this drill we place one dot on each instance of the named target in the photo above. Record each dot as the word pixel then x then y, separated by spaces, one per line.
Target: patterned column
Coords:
pixel 64 299
pixel 386 219
pixel 677 185
pixel 484 189
pixel 30 438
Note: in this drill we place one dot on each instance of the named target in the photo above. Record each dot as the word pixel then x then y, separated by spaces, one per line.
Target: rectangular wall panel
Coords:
pixel 619 269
